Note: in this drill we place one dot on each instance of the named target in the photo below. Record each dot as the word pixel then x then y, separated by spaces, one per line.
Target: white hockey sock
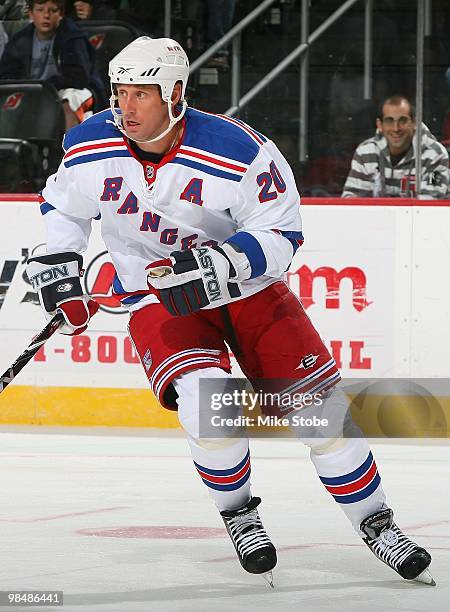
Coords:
pixel 350 474
pixel 223 463
pixel 225 471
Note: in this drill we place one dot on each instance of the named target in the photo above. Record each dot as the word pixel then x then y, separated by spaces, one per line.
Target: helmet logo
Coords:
pixel 123 70
pixel 150 71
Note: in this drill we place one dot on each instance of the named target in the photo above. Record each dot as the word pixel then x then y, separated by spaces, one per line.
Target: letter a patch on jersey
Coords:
pixel 193 191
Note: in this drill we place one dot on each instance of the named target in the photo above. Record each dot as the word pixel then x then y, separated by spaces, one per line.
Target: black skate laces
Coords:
pixel 393 547
pixel 246 529
pixel 386 540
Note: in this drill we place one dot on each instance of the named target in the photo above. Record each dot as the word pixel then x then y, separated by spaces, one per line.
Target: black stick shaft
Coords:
pixel 30 351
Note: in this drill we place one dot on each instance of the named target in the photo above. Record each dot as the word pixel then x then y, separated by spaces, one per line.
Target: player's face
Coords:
pixel 144 112
pixel 46 18
pixel 398 127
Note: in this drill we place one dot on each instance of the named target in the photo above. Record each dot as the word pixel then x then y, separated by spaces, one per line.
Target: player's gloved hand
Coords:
pixel 56 278
pixel 190 280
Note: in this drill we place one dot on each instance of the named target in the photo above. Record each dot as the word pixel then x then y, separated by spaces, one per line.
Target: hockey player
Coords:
pixel 200 215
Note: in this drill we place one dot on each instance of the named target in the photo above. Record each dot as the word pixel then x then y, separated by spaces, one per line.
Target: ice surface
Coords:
pixel 121 522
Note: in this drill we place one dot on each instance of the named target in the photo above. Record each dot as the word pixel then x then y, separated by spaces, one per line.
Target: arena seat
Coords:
pixel 18 167
pixel 107 38
pixel 31 111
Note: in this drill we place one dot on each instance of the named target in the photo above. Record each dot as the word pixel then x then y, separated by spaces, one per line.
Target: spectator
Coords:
pixel 385 165
pixel 83 10
pixel 12 10
pixel 220 18
pixel 52 48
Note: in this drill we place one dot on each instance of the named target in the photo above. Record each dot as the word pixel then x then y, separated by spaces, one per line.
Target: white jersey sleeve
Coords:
pixel 267 212
pixel 68 208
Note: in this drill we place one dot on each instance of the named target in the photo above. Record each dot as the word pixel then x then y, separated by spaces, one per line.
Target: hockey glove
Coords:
pixel 190 280
pixel 56 278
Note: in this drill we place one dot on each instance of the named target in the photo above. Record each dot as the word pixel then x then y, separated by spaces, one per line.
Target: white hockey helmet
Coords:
pixel 150 61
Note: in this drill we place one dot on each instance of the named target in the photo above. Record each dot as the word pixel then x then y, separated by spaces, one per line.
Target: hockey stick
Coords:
pixel 30 351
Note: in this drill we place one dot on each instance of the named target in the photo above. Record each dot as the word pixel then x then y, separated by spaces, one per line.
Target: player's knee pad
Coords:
pixel 195 411
pixel 324 446
pixel 214 444
pixel 324 427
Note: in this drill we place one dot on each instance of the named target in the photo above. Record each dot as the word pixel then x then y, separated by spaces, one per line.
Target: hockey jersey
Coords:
pixel 223 182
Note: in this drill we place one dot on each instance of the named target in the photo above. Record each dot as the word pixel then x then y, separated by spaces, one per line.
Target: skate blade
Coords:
pixel 426 578
pixel 269 579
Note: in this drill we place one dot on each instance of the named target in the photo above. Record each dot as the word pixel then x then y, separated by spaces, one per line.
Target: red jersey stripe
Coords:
pixel 226 479
pixel 213 160
pixel 244 127
pixel 355 486
pixel 93 147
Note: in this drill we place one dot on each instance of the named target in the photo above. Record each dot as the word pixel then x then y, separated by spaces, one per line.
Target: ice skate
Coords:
pixel 256 552
pixel 394 548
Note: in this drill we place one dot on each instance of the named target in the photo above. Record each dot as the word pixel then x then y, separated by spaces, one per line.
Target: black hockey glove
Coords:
pixel 190 280
pixel 56 278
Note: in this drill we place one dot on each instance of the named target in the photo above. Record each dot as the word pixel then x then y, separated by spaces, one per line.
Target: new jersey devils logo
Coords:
pixel 97 40
pixel 13 101
pixel 98 281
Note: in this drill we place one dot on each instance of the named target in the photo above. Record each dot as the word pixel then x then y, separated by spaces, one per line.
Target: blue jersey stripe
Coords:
pixel 91 157
pixel 98 127
pixel 118 289
pixel 292 237
pixel 337 480
pixel 216 135
pixel 46 207
pixel 228 487
pixel 228 472
pixel 251 247
pixel 207 169
pixel 360 495
pixel 263 138
pixel 117 285
pixel 133 299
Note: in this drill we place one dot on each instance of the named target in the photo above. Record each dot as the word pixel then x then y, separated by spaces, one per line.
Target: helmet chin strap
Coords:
pixel 172 120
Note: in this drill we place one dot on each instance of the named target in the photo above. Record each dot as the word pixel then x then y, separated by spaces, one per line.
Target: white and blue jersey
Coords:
pixel 223 182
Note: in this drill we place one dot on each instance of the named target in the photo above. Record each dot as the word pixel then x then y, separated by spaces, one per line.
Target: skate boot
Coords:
pixel 394 548
pixel 256 552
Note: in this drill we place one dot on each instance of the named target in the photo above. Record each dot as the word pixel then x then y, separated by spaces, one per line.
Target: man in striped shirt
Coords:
pixel 385 165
